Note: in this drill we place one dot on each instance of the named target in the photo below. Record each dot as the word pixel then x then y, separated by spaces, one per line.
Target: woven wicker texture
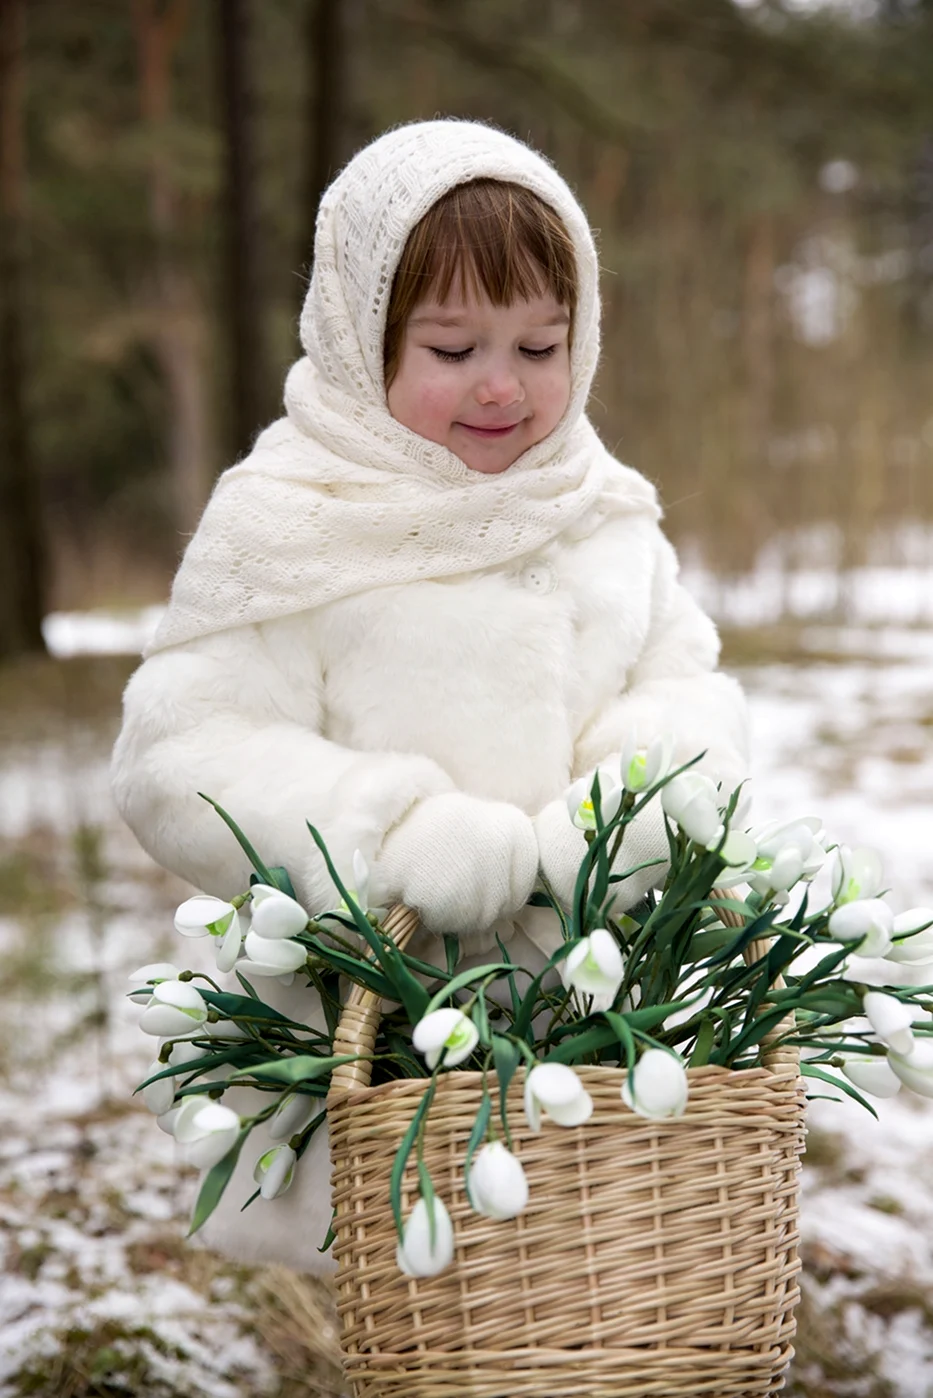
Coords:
pixel 654 1258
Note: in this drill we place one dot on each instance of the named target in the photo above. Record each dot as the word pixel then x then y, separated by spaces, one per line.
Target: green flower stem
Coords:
pixel 628 803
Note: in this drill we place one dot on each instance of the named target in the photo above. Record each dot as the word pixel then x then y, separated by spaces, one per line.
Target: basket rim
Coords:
pixel 779 1075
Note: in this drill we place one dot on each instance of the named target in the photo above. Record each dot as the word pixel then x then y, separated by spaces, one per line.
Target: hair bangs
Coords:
pixel 487 238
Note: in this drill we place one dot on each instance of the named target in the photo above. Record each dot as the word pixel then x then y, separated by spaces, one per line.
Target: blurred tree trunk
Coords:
pixel 21 551
pixel 758 331
pixel 242 226
pixel 178 326
pixel 328 46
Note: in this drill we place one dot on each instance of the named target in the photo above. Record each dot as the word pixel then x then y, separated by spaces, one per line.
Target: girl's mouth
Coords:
pixel 490 432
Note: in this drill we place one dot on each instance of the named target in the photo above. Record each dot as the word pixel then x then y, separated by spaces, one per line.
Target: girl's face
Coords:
pixel 485 381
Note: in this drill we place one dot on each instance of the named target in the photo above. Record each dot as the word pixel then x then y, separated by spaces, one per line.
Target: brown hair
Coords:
pixel 491 238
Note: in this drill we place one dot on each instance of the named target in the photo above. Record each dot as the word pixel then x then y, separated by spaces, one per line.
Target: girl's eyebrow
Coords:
pixel 561 317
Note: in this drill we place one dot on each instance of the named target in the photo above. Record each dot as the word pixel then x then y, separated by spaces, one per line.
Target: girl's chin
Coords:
pixel 488 468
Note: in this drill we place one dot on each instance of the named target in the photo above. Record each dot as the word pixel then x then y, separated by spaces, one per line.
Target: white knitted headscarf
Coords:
pixel 337 497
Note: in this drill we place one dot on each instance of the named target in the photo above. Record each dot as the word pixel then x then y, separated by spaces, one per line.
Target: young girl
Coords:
pixel 429 599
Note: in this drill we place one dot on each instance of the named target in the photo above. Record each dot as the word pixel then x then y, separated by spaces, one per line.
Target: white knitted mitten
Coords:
pixel 459 861
pixel 561 847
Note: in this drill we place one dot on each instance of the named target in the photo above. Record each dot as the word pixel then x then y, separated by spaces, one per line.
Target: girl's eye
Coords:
pixel 458 356
pixel 451 356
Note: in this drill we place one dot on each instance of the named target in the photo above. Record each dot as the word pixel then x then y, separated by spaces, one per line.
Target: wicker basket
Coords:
pixel 654 1258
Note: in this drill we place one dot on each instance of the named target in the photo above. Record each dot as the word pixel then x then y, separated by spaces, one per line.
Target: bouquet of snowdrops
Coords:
pixel 726 957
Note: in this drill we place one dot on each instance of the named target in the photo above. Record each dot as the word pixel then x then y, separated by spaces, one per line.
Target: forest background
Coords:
pixel 761 176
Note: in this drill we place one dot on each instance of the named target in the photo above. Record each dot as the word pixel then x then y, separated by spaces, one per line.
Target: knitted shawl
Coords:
pixel 337 497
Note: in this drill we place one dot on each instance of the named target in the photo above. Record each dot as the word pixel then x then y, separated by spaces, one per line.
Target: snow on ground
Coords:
pixel 100 1294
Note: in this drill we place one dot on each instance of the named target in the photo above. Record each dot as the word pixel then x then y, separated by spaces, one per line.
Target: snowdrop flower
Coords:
pixel 787 852
pixel 292 1115
pixel 641 767
pixel 915 1069
pixel 913 938
pixel 206 1131
pixel 204 916
pixel 159 1097
pixel 891 1020
pixel 496 1183
pixel 166 1122
pixel 739 853
pixel 595 966
pixel 174 1009
pixel 692 802
pixel 420 1255
pixel 867 924
pixel 659 1086
pixel 872 1075
pixel 360 890
pixel 857 873
pixel 275 915
pixel 274 1171
pixel 449 1032
pixel 555 1090
pixel 273 956
pixel 580 801
pixel 148 976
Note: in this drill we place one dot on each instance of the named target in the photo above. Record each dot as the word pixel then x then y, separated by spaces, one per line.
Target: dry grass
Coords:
pixel 297 1319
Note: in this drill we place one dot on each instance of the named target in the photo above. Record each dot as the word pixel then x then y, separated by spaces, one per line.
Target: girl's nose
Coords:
pixel 500 386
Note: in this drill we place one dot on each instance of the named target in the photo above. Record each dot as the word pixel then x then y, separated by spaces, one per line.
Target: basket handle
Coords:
pixel 774 1056
pixel 360 1016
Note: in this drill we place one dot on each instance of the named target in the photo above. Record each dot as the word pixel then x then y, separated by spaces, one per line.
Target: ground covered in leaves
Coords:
pixel 99 1292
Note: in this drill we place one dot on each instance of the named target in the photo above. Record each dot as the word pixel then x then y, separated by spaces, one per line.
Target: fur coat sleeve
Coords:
pixel 238 716
pixel 674 687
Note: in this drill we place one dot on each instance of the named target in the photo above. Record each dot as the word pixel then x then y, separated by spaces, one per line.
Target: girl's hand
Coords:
pixel 561 847
pixel 461 862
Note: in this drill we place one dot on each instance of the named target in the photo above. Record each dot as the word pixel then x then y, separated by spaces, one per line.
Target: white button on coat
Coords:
pixel 538 576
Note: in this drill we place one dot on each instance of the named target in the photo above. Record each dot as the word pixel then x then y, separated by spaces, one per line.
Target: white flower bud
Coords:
pixel 275 915
pixel 418 1255
pixel 175 1009
pixel 496 1184
pixel 659 1086
pixel 555 1090
pixel 447 1031
pixel 274 1171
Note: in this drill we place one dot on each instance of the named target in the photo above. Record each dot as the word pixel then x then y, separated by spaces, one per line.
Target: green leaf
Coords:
pixel 705 1040
pixel 465 978
pixel 451 953
pixel 478 1134
pixel 513 988
pixel 331 1233
pixel 410 991
pixel 582 1044
pixel 506 1058
pixel 358 969
pixel 302 1067
pixel 278 878
pixel 810 1071
pixel 481 1017
pixel 214 1184
pixel 241 1057
pixel 621 1028
pixel 402 1154
pixel 526 1009
pixel 233 1006
pixel 260 868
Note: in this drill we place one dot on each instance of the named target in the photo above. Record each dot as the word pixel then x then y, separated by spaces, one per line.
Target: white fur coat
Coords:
pixel 506 684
